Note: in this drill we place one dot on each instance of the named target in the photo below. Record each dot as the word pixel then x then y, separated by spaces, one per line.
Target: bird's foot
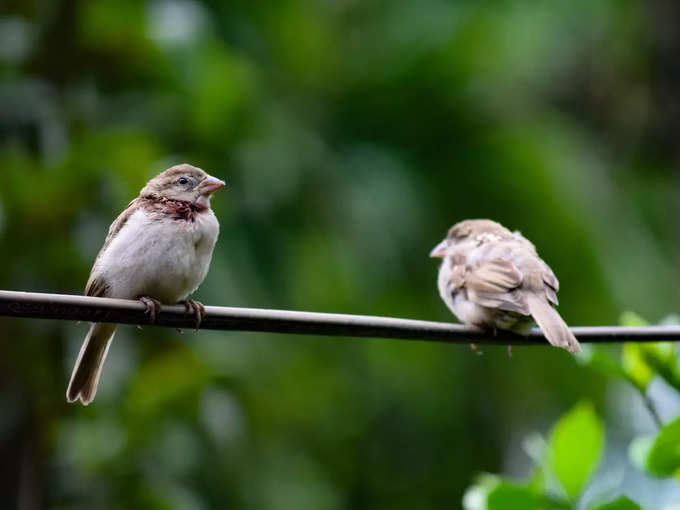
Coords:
pixel 153 308
pixel 475 348
pixel 196 309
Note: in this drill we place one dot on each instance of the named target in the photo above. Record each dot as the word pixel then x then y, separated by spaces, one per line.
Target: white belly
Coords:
pixel 166 260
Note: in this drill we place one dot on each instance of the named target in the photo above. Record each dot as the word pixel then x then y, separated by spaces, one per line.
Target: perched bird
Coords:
pixel 158 251
pixel 493 278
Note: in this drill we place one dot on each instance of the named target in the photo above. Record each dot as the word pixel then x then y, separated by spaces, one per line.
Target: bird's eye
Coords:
pixel 182 181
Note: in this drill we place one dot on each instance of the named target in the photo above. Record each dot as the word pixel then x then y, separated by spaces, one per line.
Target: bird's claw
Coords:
pixel 153 308
pixel 196 309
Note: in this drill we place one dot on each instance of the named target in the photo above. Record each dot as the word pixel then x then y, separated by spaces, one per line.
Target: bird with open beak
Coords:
pixel 158 251
pixel 494 279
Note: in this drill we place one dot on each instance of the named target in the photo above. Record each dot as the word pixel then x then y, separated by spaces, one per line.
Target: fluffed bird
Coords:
pixel 493 278
pixel 158 251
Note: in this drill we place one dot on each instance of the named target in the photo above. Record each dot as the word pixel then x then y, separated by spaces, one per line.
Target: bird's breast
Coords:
pixel 159 256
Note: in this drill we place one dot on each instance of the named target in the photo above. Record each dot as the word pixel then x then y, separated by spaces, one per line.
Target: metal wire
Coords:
pixel 83 308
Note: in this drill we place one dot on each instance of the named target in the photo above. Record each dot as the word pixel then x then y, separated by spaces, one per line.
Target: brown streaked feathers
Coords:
pixel 492 277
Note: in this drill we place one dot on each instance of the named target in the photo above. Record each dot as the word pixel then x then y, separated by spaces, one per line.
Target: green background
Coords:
pixel 352 134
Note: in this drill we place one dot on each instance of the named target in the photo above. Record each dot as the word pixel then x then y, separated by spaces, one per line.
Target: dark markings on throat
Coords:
pixel 179 210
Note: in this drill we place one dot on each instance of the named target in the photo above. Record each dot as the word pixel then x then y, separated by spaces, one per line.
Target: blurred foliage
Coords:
pixel 352 135
pixel 575 446
pixel 565 463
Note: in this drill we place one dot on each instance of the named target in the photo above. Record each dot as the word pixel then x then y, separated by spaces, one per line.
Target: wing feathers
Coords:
pixel 96 287
pixel 505 277
pixel 494 276
pixel 495 284
pixel 120 222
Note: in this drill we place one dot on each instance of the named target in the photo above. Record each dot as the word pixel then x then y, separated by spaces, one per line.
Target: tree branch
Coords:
pixel 83 308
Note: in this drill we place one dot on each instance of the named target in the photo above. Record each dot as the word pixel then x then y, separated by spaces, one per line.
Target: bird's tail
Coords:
pixel 554 328
pixel 88 366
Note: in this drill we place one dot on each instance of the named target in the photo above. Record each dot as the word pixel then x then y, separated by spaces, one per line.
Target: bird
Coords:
pixel 157 251
pixel 493 278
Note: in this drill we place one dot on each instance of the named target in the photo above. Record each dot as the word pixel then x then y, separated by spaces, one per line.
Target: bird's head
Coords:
pixel 183 182
pixel 467 229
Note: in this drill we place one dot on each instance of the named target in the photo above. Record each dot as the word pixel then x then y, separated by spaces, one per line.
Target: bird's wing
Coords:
pixel 495 284
pixel 552 285
pixel 120 222
pixel 97 286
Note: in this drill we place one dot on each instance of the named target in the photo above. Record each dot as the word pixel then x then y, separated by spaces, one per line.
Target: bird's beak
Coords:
pixel 439 251
pixel 210 185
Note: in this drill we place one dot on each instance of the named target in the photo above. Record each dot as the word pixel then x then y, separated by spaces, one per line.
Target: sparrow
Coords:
pixel 157 251
pixel 494 279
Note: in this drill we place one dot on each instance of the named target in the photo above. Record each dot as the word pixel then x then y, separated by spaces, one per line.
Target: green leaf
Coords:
pixel 507 496
pixel 491 492
pixel 622 503
pixel 660 357
pixel 537 482
pixel 642 362
pixel 575 447
pixel 659 456
pixel 635 367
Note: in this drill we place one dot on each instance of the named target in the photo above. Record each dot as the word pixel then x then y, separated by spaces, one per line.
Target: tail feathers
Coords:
pixel 554 328
pixel 88 366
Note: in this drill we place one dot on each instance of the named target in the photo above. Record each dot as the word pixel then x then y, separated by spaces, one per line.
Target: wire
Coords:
pixel 91 309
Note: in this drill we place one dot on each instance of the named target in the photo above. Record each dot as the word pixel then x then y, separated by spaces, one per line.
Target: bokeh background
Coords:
pixel 352 135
